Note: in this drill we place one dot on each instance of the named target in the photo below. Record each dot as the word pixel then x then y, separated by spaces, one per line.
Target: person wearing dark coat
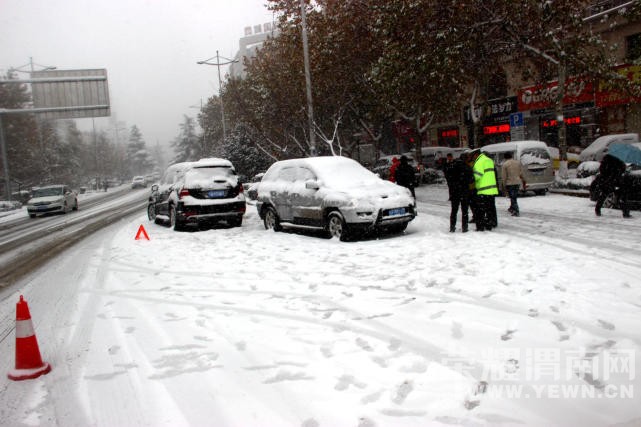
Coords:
pixel 611 179
pixel 460 179
pixel 404 175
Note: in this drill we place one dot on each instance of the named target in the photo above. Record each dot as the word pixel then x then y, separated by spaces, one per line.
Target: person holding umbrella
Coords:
pixel 613 178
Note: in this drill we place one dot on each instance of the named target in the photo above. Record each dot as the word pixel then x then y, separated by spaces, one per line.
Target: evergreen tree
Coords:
pixel 137 154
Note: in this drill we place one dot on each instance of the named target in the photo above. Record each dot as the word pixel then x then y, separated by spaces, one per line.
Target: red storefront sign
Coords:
pixel 607 96
pixel 543 96
pixel 490 130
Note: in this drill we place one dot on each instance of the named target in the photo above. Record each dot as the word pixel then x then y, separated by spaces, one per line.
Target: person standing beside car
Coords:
pixel 404 175
pixel 459 183
pixel 486 190
pixel 512 177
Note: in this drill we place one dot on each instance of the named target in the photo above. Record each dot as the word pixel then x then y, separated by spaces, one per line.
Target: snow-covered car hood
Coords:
pixel 46 199
pixel 377 194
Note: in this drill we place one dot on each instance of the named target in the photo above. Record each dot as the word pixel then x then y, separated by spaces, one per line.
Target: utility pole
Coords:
pixel 218 64
pixel 308 82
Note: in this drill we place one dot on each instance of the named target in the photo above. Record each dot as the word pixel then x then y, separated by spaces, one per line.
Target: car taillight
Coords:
pixel 184 192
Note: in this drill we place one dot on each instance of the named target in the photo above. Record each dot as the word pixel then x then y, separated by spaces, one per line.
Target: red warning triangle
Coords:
pixel 143 232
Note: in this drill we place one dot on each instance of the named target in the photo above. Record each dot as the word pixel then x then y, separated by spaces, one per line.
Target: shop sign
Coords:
pixel 496 110
pixel 491 130
pixel 568 121
pixel 606 95
pixel 544 96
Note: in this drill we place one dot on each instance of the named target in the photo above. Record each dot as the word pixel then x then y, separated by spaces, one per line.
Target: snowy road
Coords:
pixel 27 242
pixel 244 327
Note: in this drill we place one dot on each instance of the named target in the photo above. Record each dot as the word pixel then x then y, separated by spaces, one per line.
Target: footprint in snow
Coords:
pixel 346 380
pixel 364 344
pixel 606 325
pixel 457 330
pixel 508 334
pixel 366 422
pixel 310 423
pixel 402 391
pixel 437 315
pixel 533 313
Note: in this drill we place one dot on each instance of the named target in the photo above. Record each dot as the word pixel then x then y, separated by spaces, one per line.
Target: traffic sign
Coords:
pixel 516 120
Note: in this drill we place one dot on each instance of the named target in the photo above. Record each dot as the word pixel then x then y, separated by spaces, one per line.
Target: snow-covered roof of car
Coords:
pixel 212 162
pixel 502 146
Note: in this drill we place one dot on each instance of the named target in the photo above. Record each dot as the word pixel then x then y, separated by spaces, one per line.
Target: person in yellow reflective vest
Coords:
pixel 486 190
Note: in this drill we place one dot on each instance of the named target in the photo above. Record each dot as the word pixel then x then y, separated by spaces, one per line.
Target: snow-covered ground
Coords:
pixel 245 327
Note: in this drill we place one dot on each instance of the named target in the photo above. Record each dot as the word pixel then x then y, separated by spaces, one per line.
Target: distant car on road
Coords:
pixel 138 182
pixel 333 194
pixel 52 198
pixel 194 193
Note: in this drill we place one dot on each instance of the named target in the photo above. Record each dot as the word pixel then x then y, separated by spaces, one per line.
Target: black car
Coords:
pixel 194 193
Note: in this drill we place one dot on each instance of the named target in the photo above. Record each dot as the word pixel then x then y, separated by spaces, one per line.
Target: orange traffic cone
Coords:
pixel 29 364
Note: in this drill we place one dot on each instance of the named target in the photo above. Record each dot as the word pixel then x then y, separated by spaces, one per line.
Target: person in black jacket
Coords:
pixel 405 175
pixel 610 180
pixel 459 178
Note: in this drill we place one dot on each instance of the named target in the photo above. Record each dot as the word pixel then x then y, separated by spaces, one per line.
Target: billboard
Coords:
pixel 71 94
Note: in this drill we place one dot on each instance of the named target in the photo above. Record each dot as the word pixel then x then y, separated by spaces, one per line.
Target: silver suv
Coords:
pixel 333 194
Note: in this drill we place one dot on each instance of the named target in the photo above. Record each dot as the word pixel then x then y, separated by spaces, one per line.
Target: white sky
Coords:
pixel 149 48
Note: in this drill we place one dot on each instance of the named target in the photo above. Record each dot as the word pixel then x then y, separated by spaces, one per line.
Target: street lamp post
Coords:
pixel 218 64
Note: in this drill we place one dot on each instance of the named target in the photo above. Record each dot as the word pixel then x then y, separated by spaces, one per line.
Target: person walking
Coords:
pixel 404 175
pixel 486 190
pixel 512 178
pixel 459 182
pixel 611 179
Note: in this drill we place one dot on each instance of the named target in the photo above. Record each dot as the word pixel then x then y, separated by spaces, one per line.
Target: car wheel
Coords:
pixel 151 212
pixel 75 206
pixel 336 226
pixel 173 220
pixel 32 215
pixel 235 222
pixel 271 220
pixel 65 208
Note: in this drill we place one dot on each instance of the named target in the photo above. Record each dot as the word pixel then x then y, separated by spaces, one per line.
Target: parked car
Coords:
pixel 599 147
pixel 535 160
pixel 333 194
pixel 573 158
pixel 52 198
pixel 138 182
pixel 252 185
pixel 195 193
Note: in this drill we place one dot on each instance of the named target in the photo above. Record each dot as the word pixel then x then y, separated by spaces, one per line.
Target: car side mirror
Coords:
pixel 312 185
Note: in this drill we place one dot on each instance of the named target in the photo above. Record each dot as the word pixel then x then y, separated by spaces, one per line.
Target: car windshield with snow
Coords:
pixel 197 193
pixel 333 194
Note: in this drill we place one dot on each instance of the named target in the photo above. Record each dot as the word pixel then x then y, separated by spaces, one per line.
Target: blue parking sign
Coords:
pixel 516 120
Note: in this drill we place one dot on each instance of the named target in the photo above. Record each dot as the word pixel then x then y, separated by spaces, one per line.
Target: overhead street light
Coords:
pixel 218 64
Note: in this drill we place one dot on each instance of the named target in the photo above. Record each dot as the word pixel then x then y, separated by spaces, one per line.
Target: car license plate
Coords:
pixel 397 211
pixel 216 194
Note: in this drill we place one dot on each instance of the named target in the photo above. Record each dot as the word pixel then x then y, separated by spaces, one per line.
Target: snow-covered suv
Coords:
pixel 193 193
pixel 334 194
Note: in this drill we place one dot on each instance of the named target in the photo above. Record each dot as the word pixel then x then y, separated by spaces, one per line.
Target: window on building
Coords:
pixel 633 47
